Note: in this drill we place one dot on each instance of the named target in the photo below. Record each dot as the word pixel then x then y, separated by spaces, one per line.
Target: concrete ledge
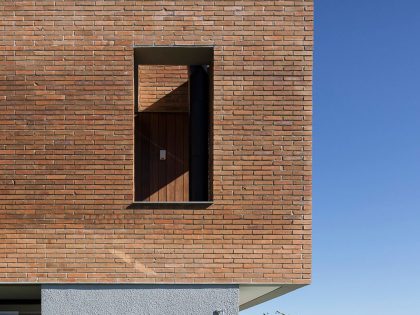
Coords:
pixel 139 299
pixel 254 294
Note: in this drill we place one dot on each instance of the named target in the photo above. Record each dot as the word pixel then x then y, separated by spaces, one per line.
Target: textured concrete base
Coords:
pixel 140 299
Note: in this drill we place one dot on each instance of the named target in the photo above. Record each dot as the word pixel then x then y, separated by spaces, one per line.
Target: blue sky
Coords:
pixel 366 186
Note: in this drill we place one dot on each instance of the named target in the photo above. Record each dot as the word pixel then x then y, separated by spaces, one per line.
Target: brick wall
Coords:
pixel 66 143
pixel 163 88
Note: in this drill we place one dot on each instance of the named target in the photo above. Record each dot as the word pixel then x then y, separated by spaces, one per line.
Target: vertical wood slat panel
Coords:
pixel 162 120
pixel 162 180
pixel 137 161
pixel 148 147
pixel 153 153
pixel 142 174
pixel 179 183
pixel 185 157
pixel 170 160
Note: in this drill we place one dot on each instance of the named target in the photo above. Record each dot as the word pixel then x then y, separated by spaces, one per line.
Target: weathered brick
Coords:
pixel 66 131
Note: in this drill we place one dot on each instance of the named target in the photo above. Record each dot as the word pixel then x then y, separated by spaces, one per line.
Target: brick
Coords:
pixel 66 130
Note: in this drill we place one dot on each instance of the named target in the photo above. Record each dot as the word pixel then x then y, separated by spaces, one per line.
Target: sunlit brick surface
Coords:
pixel 66 143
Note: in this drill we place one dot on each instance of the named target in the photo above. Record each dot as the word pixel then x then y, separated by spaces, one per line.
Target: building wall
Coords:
pixel 163 88
pixel 140 299
pixel 66 144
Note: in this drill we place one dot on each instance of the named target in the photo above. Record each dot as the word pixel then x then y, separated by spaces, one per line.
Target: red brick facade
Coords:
pixel 163 88
pixel 66 131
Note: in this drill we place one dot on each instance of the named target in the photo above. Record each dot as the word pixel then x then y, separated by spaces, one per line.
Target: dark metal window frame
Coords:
pixel 177 55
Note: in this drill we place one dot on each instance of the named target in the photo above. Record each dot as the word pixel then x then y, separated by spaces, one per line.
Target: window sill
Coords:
pixel 170 205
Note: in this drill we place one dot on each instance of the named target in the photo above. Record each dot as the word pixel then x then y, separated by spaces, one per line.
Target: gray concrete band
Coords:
pixel 165 299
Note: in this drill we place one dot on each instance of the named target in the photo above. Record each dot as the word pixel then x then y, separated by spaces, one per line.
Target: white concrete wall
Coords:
pixel 139 299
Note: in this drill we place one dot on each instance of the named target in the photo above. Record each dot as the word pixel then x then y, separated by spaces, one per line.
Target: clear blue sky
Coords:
pixel 366 186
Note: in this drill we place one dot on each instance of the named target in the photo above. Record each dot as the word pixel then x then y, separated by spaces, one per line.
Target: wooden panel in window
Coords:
pixel 160 180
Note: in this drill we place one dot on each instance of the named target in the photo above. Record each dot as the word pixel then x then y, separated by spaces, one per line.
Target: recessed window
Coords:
pixel 172 124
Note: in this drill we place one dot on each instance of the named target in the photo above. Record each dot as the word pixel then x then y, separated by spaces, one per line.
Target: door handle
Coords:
pixel 162 155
